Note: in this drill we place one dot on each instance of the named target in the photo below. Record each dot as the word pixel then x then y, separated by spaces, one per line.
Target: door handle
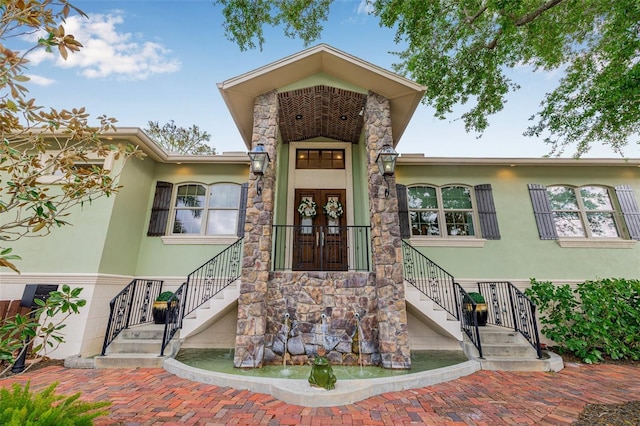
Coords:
pixel 322 238
pixel 317 237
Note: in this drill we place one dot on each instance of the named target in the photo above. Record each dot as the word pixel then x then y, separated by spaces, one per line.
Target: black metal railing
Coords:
pixel 468 317
pixel 132 306
pixel 436 283
pixel 321 248
pixel 509 307
pixel 202 285
pixel 213 277
pixel 173 318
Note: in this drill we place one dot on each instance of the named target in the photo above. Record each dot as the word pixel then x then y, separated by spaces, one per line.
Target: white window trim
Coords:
pixel 439 241
pixel 191 239
pixel 583 242
pixel 424 241
pixel 48 179
pixel 200 238
pixel 588 240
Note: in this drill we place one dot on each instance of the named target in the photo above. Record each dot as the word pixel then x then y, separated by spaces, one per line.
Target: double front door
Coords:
pixel 320 239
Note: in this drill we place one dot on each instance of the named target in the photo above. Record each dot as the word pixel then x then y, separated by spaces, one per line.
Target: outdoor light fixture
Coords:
pixel 387 164
pixel 259 162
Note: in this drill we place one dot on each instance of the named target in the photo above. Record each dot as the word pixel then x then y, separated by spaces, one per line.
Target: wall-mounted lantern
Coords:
pixel 387 164
pixel 259 162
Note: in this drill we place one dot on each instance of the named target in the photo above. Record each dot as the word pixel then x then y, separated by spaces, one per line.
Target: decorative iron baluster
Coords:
pixel 146 302
pixel 121 313
pixel 433 281
pixel 513 309
pixel 211 278
pixel 495 302
pixel 130 307
pixel 524 318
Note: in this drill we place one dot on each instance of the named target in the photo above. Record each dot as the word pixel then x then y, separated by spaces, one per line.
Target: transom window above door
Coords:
pixel 320 159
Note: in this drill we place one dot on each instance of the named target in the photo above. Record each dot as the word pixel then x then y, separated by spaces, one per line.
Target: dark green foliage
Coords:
pixel 164 296
pixel 45 324
pixel 475 296
pixel 188 141
pixel 462 52
pixel 597 319
pixel 21 407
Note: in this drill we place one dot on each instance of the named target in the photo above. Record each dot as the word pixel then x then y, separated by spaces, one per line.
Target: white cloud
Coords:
pixel 40 80
pixel 109 53
pixel 365 7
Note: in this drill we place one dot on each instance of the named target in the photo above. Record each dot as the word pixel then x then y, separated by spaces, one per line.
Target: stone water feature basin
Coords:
pixel 354 384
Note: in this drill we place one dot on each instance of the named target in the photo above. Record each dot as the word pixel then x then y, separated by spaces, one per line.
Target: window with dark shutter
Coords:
pixel 403 211
pixel 630 210
pixel 160 209
pixel 242 210
pixel 487 212
pixel 542 212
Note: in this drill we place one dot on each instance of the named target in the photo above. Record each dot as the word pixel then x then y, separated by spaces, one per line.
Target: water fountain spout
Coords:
pixel 359 332
pixel 324 327
pixel 285 330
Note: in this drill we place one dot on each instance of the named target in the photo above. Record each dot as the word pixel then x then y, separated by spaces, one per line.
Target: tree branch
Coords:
pixel 525 20
pixel 539 11
pixel 471 19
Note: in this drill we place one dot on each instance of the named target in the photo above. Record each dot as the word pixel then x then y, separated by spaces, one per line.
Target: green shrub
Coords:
pixel 475 296
pixel 164 296
pixel 21 407
pixel 597 319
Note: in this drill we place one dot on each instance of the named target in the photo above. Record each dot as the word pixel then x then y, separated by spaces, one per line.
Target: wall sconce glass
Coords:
pixel 259 162
pixel 387 164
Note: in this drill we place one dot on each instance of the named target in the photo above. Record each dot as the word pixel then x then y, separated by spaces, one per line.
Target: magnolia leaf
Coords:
pixel 5 263
pixel 63 51
pixel 38 227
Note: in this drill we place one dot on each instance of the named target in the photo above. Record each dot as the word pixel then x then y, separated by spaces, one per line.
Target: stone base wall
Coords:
pixel 322 304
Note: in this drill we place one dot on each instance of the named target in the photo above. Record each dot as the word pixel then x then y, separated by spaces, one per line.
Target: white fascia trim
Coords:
pixel 596 243
pixel 421 159
pixel 199 239
pixel 447 242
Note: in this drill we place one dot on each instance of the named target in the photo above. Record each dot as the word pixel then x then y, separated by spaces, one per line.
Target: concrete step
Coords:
pixel 135 346
pixel 440 318
pixel 147 331
pixel 491 334
pixel 507 350
pixel 511 357
pixel 551 362
pixel 210 311
pixel 130 361
pixel 138 346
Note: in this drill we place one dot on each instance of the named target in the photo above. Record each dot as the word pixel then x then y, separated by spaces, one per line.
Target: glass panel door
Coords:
pixel 320 237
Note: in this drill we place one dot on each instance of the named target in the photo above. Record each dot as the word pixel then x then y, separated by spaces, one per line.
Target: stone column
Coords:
pixel 386 241
pixel 256 262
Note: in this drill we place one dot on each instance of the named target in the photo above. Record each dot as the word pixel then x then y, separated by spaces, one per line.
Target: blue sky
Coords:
pixel 161 60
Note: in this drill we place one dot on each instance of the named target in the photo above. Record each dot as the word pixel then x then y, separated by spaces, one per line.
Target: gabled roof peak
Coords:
pixel 240 92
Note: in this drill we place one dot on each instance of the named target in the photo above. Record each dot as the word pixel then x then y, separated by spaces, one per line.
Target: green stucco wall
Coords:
pixel 73 248
pixel 122 245
pixel 282 183
pixel 520 254
pixel 360 184
pixel 158 259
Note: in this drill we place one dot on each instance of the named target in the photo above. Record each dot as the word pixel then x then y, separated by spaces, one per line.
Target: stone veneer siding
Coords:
pixel 256 262
pixel 306 296
pixel 386 241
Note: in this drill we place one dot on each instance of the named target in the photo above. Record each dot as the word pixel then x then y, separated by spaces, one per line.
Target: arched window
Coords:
pixel 206 210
